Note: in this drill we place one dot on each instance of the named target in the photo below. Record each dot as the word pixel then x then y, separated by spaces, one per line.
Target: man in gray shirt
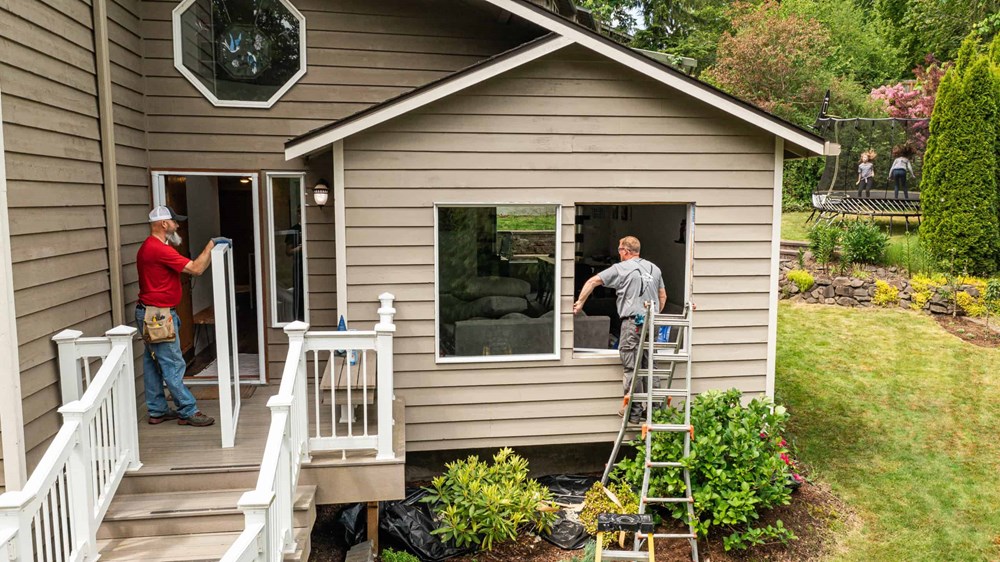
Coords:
pixel 636 281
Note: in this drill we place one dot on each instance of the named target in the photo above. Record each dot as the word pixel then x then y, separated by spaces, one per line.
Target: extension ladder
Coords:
pixel 661 361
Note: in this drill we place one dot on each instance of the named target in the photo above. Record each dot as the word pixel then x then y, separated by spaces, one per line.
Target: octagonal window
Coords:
pixel 243 53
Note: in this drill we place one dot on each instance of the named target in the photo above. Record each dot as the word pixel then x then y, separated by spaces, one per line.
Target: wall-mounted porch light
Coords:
pixel 321 193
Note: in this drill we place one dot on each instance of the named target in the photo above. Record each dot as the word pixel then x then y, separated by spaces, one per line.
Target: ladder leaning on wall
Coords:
pixel 657 361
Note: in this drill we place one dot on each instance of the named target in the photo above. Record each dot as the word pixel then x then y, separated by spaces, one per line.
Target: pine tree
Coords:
pixel 959 193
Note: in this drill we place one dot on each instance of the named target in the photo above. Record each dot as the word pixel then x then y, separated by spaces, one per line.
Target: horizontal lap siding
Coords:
pixel 359 53
pixel 565 129
pixel 55 182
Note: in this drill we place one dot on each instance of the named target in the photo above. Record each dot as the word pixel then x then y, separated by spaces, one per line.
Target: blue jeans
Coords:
pixel 172 365
pixel 899 176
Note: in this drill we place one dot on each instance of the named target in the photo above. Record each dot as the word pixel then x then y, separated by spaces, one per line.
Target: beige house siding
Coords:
pixel 569 128
pixel 359 53
pixel 53 154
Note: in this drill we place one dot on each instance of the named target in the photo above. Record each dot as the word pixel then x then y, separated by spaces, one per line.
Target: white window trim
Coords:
pixel 556 298
pixel 593 353
pixel 272 286
pixel 209 95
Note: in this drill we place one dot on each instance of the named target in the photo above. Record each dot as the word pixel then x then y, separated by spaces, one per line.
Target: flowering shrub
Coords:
pixel 914 103
pixel 739 466
pixel 885 294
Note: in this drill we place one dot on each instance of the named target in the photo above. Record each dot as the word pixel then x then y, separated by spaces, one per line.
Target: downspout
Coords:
pixel 11 418
pixel 105 105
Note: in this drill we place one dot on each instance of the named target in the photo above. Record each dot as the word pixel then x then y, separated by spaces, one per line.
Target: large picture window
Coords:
pixel 286 227
pixel 497 289
pixel 244 53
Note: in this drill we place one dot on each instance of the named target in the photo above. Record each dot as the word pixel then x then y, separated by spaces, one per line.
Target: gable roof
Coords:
pixel 563 32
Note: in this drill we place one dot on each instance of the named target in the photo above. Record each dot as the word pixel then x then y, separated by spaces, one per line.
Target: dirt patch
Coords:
pixel 972 330
pixel 324 548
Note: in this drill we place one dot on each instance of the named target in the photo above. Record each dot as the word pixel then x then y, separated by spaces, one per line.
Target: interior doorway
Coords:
pixel 665 232
pixel 218 204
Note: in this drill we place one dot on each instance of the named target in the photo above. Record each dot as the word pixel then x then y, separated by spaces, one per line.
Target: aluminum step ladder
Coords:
pixel 661 361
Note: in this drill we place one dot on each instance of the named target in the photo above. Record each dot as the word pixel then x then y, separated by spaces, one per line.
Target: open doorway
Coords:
pixel 664 233
pixel 218 205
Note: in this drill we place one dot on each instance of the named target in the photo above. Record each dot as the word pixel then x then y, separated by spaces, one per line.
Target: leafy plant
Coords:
pixel 885 294
pixel 739 463
pixel 802 279
pixel 390 555
pixel 991 296
pixel 972 306
pixel 483 504
pixel 823 239
pixel 597 501
pixel 911 255
pixel 864 242
pixel 588 554
pixel 759 536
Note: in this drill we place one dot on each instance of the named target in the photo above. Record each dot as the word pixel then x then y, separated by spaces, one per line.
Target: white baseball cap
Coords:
pixel 164 213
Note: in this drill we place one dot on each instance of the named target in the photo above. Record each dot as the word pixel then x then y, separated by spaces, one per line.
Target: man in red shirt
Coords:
pixel 160 266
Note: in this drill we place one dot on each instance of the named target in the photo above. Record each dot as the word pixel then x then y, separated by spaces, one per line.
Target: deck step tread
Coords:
pixel 183 548
pixel 188 504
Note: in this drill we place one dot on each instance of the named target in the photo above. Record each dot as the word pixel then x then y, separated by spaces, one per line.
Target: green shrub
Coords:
pixel 483 505
pixel 885 294
pixel 911 255
pixel 864 242
pixel 739 465
pixel 959 196
pixel 588 554
pixel 802 279
pixel 798 181
pixel 823 239
pixel 597 502
pixel 390 555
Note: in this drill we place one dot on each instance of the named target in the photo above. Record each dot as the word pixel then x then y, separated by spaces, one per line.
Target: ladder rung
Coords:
pixel 624 555
pixel 674 427
pixel 664 356
pixel 666 464
pixel 667 500
pixel 667 535
pixel 663 393
pixel 669 320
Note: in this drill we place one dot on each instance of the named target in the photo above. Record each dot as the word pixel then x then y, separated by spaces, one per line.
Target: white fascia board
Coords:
pixel 641 64
pixel 409 103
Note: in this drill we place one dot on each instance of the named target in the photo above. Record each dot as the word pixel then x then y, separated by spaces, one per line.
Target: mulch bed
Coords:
pixel 972 330
pixel 813 514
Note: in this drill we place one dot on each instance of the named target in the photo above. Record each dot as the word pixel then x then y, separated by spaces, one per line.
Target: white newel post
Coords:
pixel 14 516
pixel 255 506
pixel 383 349
pixel 123 336
pixel 70 375
pixel 296 332
pixel 80 482
pixel 283 504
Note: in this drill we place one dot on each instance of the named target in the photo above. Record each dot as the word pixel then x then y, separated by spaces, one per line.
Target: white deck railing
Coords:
pixel 56 516
pixel 268 508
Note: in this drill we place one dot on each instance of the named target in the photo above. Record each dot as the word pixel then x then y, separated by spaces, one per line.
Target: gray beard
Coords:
pixel 174 239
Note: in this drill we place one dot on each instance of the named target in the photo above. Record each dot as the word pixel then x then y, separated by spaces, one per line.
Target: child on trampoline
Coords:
pixel 866 172
pixel 900 167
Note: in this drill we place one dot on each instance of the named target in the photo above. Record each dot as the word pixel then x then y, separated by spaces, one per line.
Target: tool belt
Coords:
pixel 158 325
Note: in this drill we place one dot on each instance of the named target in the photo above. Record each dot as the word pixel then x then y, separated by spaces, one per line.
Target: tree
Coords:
pixel 919 27
pixel 961 211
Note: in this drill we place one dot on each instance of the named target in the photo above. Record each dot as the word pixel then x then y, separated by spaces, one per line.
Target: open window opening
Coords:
pixel 497 271
pixel 663 232
pixel 217 205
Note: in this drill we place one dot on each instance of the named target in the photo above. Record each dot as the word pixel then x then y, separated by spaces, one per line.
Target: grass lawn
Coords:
pixel 902 420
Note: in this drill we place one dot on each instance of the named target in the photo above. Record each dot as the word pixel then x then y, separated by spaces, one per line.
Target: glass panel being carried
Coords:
pixel 496 284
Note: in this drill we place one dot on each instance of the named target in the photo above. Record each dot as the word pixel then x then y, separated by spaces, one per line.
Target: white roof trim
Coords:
pixel 408 103
pixel 641 64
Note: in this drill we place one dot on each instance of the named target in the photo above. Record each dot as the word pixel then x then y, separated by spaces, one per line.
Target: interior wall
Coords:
pixel 657 227
pixel 203 224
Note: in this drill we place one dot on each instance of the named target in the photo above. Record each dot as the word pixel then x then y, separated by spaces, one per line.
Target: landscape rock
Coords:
pixel 857 283
pixel 846 301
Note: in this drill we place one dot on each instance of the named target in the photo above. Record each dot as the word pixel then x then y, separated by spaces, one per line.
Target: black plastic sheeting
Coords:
pixel 567 489
pixel 407 524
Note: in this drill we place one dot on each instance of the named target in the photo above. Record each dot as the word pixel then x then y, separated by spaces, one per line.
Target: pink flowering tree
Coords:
pixel 917 102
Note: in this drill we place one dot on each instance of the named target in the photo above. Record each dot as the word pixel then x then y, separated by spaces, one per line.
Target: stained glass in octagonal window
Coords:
pixel 239 50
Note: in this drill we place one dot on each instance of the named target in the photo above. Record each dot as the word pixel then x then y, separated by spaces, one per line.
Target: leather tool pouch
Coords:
pixel 158 325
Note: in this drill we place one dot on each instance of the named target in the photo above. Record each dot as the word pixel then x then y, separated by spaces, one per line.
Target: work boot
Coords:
pixel 170 415
pixel 198 420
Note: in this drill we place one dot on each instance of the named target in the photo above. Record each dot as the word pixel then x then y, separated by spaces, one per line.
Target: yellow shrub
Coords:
pixel 885 294
pixel 802 279
pixel 922 283
pixel 973 306
pixel 976 282
pixel 920 299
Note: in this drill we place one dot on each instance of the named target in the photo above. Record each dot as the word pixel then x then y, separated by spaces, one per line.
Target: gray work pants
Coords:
pixel 628 349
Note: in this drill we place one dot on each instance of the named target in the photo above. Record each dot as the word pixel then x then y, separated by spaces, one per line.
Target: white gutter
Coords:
pixel 11 417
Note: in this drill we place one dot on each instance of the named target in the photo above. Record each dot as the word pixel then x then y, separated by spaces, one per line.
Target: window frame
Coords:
pixel 272 285
pixel 178 56
pixel 556 300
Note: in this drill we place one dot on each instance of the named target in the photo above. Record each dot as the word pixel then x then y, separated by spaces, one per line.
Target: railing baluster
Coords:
pixel 316 386
pixel 364 391
pixel 56 521
pixel 64 509
pixel 350 391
